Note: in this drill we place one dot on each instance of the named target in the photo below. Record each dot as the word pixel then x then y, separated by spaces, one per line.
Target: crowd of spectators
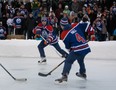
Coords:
pixel 19 18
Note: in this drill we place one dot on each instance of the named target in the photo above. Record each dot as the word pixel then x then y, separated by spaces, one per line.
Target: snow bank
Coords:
pixel 28 48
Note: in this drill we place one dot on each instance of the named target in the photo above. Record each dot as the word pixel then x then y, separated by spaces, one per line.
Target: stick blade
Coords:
pixel 21 79
pixel 42 74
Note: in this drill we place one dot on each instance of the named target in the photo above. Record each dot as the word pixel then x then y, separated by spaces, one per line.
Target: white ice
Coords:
pixel 20 58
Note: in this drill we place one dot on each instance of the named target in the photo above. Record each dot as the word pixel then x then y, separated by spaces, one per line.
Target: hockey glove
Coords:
pixel 92 37
pixel 38 31
pixel 45 43
pixel 48 41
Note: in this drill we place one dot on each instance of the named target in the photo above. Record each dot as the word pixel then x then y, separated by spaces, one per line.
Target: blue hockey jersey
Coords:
pixel 75 40
pixel 18 21
pixel 46 32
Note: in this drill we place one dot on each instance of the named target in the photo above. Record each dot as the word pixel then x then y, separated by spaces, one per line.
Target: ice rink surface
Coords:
pixel 20 58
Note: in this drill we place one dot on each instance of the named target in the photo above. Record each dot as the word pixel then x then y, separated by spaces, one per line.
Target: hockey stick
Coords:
pixel 21 79
pixel 43 38
pixel 46 41
pixel 49 73
pixel 58 53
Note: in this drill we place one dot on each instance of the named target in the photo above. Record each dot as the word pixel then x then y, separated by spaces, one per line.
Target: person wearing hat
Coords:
pixel 46 32
pixel 66 10
pixel 64 23
pixel 75 42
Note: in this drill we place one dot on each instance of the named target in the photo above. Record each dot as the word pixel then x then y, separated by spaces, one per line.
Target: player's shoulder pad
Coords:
pixel 40 25
pixel 74 24
pixel 49 28
pixel 64 34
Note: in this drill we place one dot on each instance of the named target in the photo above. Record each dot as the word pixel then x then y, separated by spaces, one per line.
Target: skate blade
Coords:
pixel 60 82
pixel 82 78
pixel 42 63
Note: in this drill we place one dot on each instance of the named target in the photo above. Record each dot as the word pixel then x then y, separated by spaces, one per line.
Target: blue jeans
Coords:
pixel 41 47
pixel 70 60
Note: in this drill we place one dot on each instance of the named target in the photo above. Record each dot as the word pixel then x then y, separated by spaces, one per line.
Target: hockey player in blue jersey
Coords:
pixel 75 41
pixel 46 31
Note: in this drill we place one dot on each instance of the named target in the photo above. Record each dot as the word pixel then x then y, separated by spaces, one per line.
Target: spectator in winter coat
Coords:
pixel 75 6
pixel 59 15
pixel 66 10
pixel 111 25
pixel 72 17
pixel 98 26
pixel 30 24
pixel 59 12
pixel 10 24
pixel 23 11
pixel 53 21
pixel 2 32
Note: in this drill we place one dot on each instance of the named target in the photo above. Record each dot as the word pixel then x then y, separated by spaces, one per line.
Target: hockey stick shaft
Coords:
pixel 7 71
pixel 46 41
pixel 49 73
pixel 43 38
pixel 22 79
pixel 56 67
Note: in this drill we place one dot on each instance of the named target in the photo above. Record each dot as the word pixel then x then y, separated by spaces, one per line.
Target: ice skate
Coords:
pixel 64 56
pixel 84 76
pixel 62 79
pixel 42 61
